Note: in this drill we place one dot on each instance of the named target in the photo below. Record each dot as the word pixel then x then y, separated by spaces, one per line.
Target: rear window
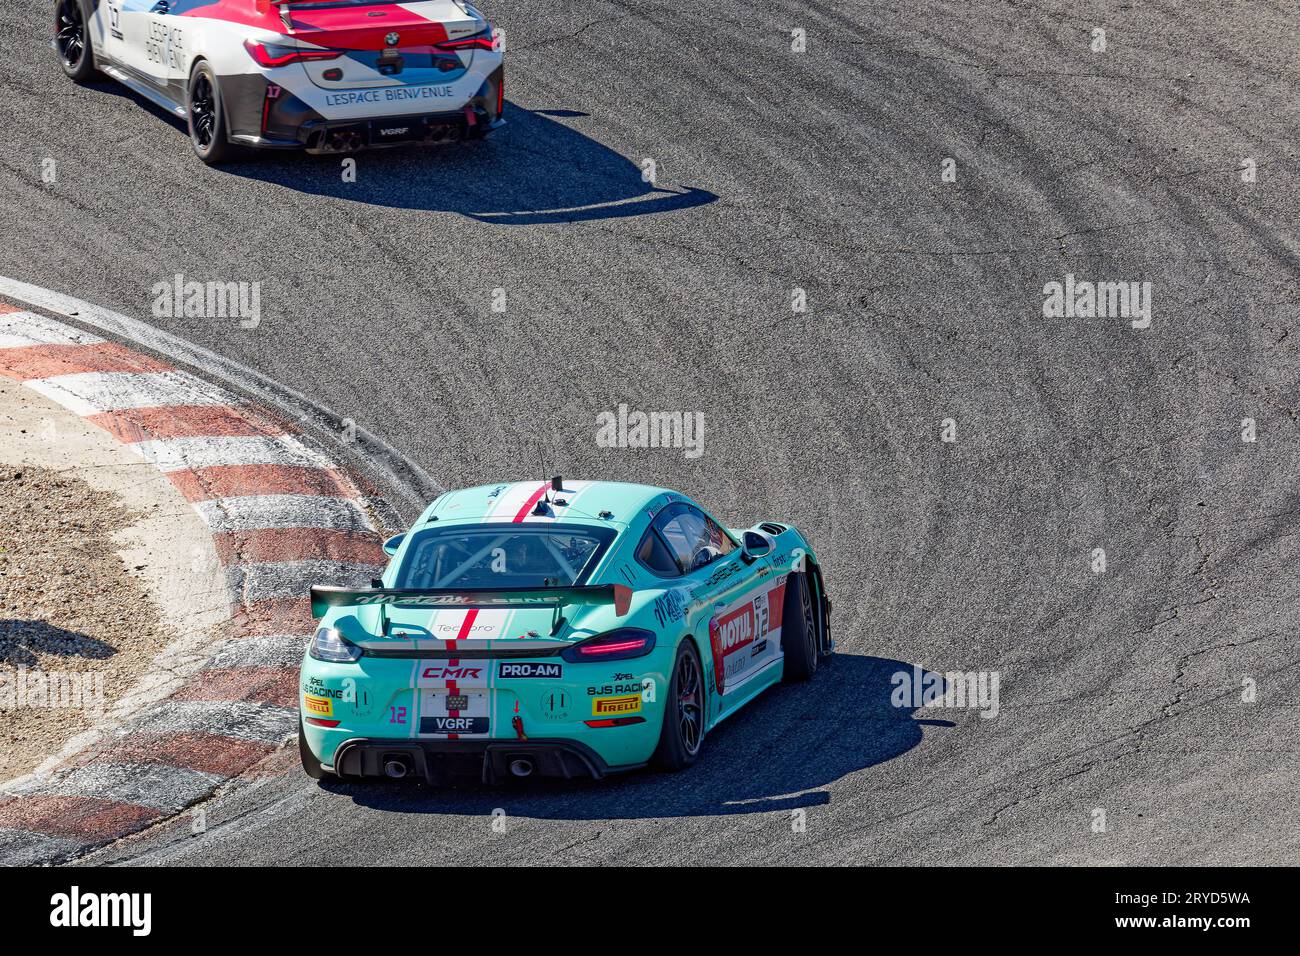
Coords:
pixel 502 556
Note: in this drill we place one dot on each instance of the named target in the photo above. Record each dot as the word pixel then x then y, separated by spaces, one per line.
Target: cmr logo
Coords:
pixel 74 909
pixel 453 673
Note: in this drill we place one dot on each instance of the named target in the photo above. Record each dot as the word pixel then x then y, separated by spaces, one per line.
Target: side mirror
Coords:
pixel 756 544
pixel 393 543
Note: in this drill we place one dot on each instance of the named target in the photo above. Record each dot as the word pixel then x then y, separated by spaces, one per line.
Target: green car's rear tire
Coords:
pixel 799 634
pixel 310 765
pixel 683 729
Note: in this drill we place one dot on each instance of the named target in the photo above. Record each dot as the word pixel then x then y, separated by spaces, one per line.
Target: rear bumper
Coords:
pixel 265 115
pixel 339 136
pixel 345 136
pixel 362 757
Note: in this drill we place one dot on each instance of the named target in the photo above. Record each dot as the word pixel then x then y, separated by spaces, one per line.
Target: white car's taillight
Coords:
pixel 273 54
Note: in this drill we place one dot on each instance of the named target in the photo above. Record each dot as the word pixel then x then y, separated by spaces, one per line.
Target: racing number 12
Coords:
pixel 761 615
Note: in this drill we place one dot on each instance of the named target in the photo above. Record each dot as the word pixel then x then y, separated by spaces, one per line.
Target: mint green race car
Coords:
pixel 559 629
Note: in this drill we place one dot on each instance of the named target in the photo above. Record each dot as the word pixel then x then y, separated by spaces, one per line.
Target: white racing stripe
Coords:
pixel 511 500
pixel 413 728
pixel 489 624
pixel 88 393
pixel 572 492
pixel 255 512
pixel 24 329
pixel 185 454
pixel 443 621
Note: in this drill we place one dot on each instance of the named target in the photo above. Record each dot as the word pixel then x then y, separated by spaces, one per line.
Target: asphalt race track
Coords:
pixel 1120 690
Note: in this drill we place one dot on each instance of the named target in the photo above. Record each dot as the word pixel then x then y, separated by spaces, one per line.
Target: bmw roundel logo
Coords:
pixel 392 39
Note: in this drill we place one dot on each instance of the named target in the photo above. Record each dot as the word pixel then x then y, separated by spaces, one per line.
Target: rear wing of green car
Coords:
pixel 324 597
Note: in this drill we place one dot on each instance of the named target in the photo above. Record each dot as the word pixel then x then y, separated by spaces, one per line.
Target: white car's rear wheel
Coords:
pixel 207 117
pixel 72 40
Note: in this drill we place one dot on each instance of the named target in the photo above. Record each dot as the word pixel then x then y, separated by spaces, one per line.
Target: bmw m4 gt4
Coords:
pixel 563 629
pixel 324 75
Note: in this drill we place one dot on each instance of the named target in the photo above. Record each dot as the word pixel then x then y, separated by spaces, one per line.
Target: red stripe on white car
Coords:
pixel 571 495
pixel 531 503
pixel 353 27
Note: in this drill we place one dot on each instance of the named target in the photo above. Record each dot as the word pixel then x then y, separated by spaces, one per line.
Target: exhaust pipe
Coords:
pixel 343 141
pixel 395 769
pixel 521 767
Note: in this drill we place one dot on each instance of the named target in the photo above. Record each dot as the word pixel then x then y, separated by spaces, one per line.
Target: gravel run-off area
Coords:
pixel 77 625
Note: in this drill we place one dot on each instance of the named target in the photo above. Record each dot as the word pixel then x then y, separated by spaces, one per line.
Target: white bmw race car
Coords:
pixel 325 75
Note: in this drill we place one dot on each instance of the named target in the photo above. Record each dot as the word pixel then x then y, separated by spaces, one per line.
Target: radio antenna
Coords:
pixel 541 470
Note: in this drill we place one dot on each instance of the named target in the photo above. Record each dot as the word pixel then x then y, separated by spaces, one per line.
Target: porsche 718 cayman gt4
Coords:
pixel 561 628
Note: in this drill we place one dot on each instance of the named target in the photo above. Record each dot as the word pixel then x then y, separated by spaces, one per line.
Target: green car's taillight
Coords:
pixel 329 645
pixel 616 645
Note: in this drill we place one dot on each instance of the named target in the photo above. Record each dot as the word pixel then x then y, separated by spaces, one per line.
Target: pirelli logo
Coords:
pixel 318 706
pixel 616 706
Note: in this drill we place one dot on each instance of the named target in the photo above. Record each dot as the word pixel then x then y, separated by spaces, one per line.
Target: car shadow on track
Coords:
pixel 776 754
pixel 533 171
pixel 22 640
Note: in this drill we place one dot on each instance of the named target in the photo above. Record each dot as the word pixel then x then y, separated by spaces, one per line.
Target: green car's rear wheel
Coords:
pixel 799 633
pixel 683 729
